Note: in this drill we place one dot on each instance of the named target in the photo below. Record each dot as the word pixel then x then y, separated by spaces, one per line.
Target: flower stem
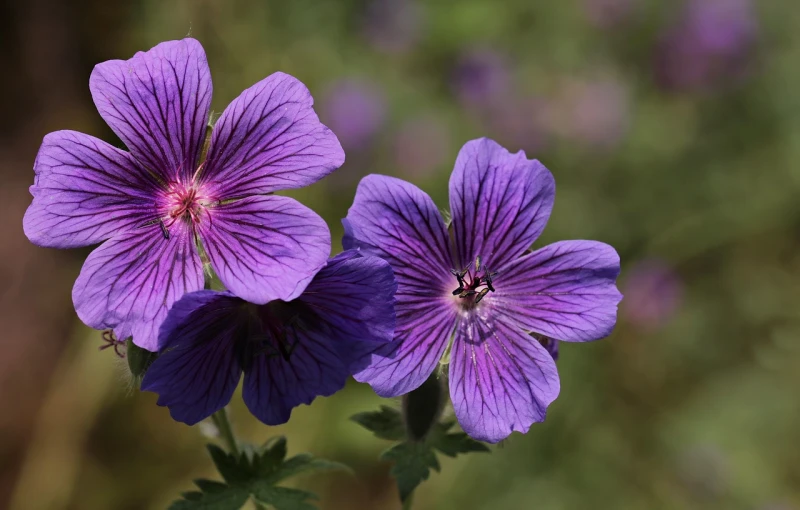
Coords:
pixel 408 501
pixel 225 430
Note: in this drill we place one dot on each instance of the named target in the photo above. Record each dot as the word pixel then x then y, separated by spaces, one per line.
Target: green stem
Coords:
pixel 225 430
pixel 408 501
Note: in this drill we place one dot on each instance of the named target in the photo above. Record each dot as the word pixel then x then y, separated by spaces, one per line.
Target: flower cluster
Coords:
pixel 409 293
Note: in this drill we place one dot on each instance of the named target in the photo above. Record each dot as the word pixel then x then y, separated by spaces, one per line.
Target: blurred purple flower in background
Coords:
pixel 654 292
pixel 607 13
pixel 710 42
pixel 481 77
pixel 393 26
pixel 355 110
pixel 421 146
pixel 518 121
pixel 593 113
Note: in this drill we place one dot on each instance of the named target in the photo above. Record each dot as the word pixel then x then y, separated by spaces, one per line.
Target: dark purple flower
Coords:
pixel 290 352
pixel 477 292
pixel 355 110
pixel 710 42
pixel 152 205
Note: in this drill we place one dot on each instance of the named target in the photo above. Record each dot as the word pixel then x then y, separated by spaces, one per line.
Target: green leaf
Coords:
pixel 235 471
pixel 385 424
pixel 412 465
pixel 303 463
pixel 225 498
pixel 455 442
pixel 283 498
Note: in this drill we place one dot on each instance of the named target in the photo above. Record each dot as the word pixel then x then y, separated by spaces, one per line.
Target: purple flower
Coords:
pixel 473 289
pixel 710 42
pixel 153 205
pixel 290 352
pixel 355 110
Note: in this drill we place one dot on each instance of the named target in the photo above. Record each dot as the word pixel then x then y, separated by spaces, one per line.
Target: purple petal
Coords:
pixel 500 203
pixel 354 297
pixel 501 379
pixel 130 282
pixel 86 191
pixel 197 371
pixel 269 138
pixel 265 247
pixel 274 385
pixel 396 221
pixel 565 291
pixel 157 103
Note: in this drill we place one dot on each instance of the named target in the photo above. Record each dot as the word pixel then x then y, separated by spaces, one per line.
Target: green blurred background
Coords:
pixel 673 131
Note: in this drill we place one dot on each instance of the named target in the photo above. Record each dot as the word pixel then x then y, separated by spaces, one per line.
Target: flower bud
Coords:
pixel 423 407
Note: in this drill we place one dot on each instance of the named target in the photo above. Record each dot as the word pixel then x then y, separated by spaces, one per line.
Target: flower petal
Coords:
pixel 197 371
pixel 421 335
pixel 158 102
pixel 500 203
pixel 130 282
pixel 266 247
pixel 269 138
pixel 274 385
pixel 564 291
pixel 354 297
pixel 85 191
pixel 398 222
pixel 501 379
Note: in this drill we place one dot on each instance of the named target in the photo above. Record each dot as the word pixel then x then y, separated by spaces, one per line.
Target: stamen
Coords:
pixel 164 230
pixel 474 286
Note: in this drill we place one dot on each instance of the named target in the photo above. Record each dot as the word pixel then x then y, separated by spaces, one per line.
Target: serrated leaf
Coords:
pixel 412 465
pixel 283 498
pixel 458 442
pixel 231 498
pixel 230 467
pixel 387 423
pixel 302 463
pixel 210 486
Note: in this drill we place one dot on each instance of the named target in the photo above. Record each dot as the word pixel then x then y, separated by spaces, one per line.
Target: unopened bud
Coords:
pixel 423 407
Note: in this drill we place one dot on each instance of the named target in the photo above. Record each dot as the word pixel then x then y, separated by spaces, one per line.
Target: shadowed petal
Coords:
pixel 565 290
pixel 266 247
pixel 274 385
pixel 501 379
pixel 354 296
pixel 130 282
pixel 500 203
pixel 158 102
pixel 269 138
pixel 197 371
pixel 85 191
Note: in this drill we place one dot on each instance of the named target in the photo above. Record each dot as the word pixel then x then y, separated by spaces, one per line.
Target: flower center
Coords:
pixel 472 288
pixel 183 202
